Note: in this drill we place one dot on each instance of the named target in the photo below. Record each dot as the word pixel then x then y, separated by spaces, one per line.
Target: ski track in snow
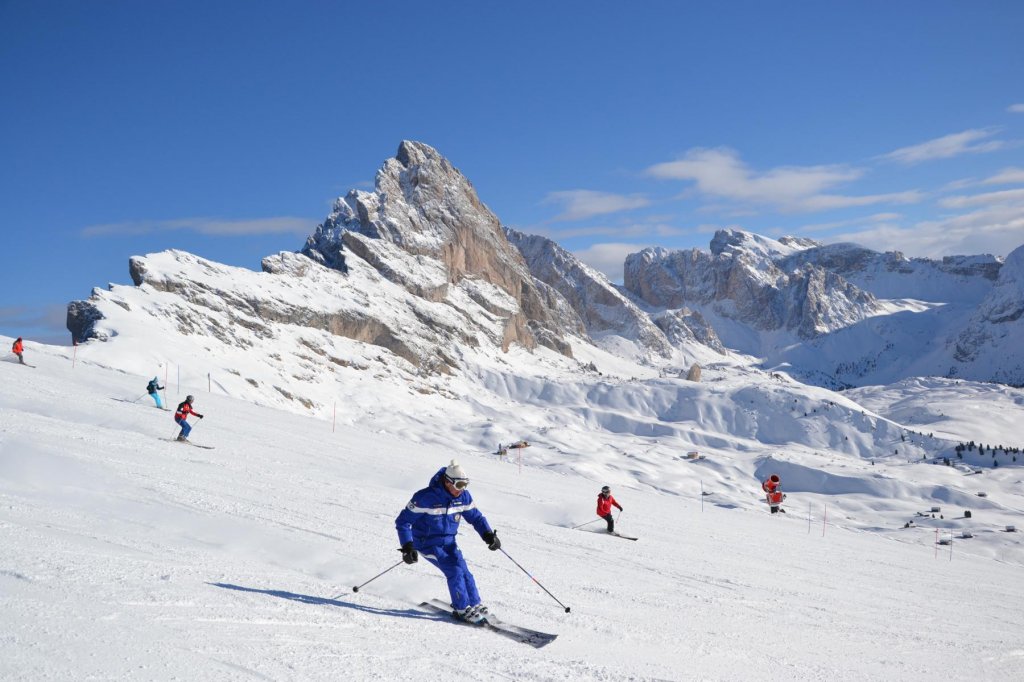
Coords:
pixel 126 557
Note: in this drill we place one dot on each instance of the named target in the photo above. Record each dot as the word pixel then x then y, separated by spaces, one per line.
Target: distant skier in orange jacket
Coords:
pixel 18 348
pixel 772 488
pixel 605 501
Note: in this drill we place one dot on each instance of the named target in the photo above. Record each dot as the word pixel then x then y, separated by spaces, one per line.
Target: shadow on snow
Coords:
pixel 324 601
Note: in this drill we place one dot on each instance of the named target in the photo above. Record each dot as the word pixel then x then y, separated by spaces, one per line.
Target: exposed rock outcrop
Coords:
pixel 994 336
pixel 741 281
pixel 601 309
pixel 424 227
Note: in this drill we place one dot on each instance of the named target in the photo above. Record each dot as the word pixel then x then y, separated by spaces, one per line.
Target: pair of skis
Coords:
pixel 604 532
pixel 188 442
pixel 534 638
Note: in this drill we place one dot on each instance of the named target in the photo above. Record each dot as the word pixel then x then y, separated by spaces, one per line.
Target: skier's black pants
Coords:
pixel 611 522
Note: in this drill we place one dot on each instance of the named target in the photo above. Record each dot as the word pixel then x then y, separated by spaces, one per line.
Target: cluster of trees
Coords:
pixel 961 448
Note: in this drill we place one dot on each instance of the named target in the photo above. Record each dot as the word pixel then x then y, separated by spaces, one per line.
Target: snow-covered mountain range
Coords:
pixel 417 288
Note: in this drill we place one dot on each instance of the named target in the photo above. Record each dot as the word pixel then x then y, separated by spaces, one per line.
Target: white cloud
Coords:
pixel 722 174
pixel 208 226
pixel 609 258
pixel 1012 196
pixel 1016 108
pixel 975 141
pixel 994 225
pixel 578 204
pixel 1007 176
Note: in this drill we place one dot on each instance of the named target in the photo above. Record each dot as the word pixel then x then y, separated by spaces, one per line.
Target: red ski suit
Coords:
pixel 18 348
pixel 604 505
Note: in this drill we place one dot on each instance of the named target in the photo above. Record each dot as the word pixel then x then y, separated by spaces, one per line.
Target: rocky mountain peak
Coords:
pixel 424 209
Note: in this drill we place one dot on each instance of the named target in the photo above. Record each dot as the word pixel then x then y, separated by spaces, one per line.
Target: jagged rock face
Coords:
pixel 425 208
pixel 596 304
pixel 82 319
pixel 891 275
pixel 746 285
pixel 996 330
pixel 684 325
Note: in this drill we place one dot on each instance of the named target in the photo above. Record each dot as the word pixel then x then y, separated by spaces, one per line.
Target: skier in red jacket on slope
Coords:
pixel 605 502
pixel 181 414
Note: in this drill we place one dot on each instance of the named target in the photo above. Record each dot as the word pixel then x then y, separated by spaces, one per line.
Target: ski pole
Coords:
pixel 584 524
pixel 356 588
pixel 534 580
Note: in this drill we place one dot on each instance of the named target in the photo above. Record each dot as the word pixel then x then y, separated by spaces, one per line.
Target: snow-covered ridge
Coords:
pixel 841 315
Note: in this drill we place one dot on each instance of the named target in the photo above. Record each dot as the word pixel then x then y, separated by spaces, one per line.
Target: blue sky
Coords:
pixel 227 128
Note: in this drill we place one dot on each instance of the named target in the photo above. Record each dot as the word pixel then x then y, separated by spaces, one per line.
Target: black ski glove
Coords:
pixel 491 538
pixel 409 555
pixel 200 416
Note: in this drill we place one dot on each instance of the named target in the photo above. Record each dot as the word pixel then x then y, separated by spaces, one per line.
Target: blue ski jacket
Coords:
pixel 432 516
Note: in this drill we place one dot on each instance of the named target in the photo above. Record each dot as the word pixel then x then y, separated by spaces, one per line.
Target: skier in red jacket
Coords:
pixel 772 488
pixel 605 502
pixel 181 414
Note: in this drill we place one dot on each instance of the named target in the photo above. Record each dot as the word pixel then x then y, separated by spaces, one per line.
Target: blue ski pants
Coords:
pixel 461 585
pixel 186 428
pixel 156 397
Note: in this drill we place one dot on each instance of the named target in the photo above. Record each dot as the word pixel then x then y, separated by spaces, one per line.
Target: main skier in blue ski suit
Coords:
pixel 429 524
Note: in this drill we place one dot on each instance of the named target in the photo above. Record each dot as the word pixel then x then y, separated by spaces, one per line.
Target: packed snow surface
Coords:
pixel 128 556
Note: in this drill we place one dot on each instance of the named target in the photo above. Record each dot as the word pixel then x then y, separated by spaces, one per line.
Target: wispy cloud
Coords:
pixel 992 222
pixel 578 204
pixel 722 174
pixel 208 226
pixel 609 258
pixel 1016 108
pixel 975 141
pixel 1007 176
pixel 1013 197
